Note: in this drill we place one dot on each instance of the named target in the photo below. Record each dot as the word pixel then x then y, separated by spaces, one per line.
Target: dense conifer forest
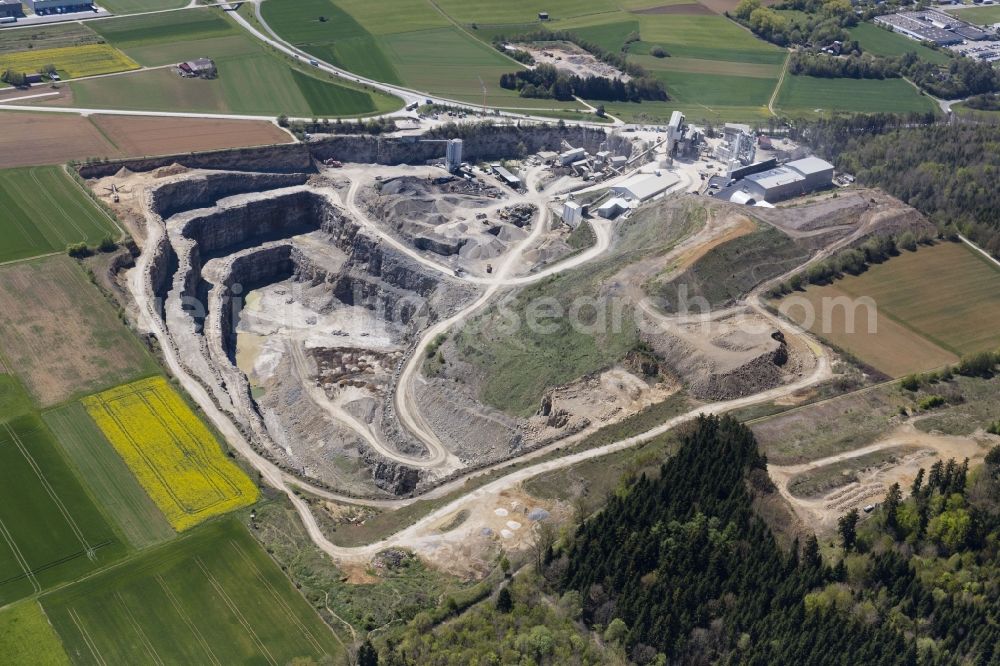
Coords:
pixel 679 569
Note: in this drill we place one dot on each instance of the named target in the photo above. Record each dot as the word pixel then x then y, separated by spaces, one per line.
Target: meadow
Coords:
pixel 70 61
pixel 813 96
pixel 27 638
pixel 521 11
pixel 978 15
pixel 879 41
pixel 60 335
pixel 47 37
pixel 934 305
pixel 133 6
pixel 212 597
pixel 106 475
pixel 45 211
pixel 175 457
pixel 50 530
pixel 251 80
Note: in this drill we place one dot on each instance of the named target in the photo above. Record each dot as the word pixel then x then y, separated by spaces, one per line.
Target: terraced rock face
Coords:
pixel 296 318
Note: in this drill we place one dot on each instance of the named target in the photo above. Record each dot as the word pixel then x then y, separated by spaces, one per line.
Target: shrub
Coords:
pixel 658 52
pixel 107 244
pixel 78 250
pixel 930 402
pixel 910 383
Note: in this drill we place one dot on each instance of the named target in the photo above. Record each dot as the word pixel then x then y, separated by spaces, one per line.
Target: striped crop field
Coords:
pixel 173 454
pixel 70 61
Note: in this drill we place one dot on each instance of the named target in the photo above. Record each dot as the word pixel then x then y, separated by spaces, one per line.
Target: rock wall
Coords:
pixel 283 158
pixel 481 143
pixel 203 190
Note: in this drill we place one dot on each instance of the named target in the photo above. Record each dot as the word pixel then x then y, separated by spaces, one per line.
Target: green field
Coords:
pixel 27 638
pixel 134 31
pixel 949 293
pixel 133 6
pixel 50 530
pixel 879 41
pixel 14 401
pixel 339 40
pixel 251 80
pixel 811 96
pixel 978 15
pixel 704 37
pixel 107 476
pixel 521 11
pixel 44 210
pixel 213 597
pixel 47 37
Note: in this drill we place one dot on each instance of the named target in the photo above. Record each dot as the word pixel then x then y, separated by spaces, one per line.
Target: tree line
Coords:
pixel 547 82
pixel 948 172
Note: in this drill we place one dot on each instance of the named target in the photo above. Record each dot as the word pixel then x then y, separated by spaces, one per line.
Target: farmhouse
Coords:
pixel 202 68
pixel 11 8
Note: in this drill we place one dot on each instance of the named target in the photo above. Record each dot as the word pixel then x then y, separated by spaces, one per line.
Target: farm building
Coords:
pixel 11 8
pixel 643 187
pixel 202 67
pixel 506 176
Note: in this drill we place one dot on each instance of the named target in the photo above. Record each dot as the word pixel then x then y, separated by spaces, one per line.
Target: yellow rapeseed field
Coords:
pixel 171 452
pixel 70 61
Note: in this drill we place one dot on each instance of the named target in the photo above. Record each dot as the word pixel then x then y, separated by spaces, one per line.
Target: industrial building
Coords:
pixel 612 208
pixel 43 7
pixel 776 184
pixel 571 156
pixel 11 8
pixel 506 176
pixel 932 26
pixel 453 155
pixel 643 186
pixel 572 213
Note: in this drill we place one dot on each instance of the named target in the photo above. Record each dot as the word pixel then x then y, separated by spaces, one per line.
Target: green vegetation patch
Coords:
pixel 45 211
pixel 107 476
pixel 518 363
pixel 717 92
pixel 609 36
pixel 133 31
pixel 979 15
pixel 134 6
pixel 879 41
pixel 47 37
pixel 450 63
pixel 51 531
pixel 809 95
pixel 27 638
pixel 731 270
pixel 521 11
pixel 704 37
pixel 14 401
pixel 329 33
pixel 212 597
